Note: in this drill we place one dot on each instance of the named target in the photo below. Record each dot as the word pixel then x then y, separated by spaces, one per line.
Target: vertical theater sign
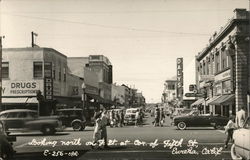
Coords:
pixel 179 87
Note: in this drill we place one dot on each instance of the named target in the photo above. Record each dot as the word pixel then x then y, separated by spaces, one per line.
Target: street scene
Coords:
pixel 124 80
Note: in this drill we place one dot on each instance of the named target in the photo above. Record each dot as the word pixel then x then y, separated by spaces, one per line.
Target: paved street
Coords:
pixel 129 142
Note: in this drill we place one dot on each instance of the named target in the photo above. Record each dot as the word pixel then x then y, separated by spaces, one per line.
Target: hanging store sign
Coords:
pixel 179 77
pixel 48 81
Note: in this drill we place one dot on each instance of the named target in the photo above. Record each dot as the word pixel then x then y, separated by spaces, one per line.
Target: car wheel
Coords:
pixel 217 126
pixel 181 125
pixel 234 154
pixel 47 130
pixel 77 126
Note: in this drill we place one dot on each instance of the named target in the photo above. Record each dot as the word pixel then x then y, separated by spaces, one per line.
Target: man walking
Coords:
pixel 104 122
pixel 240 117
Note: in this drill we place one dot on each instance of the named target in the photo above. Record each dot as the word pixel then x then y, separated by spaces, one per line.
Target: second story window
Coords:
pixel 64 74
pixel 60 74
pixel 38 69
pixel 5 70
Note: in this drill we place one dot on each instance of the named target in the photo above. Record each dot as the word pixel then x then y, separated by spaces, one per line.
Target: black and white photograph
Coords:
pixel 124 79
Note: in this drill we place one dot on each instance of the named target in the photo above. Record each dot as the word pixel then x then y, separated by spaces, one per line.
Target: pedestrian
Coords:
pixel 229 129
pixel 162 117
pixel 97 129
pixel 112 118
pixel 104 122
pixel 157 117
pixel 141 117
pixel 121 118
pixel 240 117
pixel 137 118
pixel 117 119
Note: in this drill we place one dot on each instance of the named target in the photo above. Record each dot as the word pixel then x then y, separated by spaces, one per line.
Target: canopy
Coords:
pixel 198 102
pixel 223 100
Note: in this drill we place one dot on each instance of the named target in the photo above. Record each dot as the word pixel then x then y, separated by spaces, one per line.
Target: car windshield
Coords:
pixel 131 111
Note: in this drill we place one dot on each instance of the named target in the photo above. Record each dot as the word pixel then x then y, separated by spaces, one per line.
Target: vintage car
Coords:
pixel 22 120
pixel 72 117
pixel 129 117
pixel 241 147
pixel 194 119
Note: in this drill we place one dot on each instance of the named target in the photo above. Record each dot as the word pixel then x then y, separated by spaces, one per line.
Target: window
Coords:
pixel 54 72
pixel 64 74
pixel 217 62
pixel 47 69
pixel 38 69
pixel 60 74
pixel 5 70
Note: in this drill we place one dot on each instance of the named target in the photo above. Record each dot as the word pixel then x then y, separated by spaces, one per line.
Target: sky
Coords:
pixel 141 38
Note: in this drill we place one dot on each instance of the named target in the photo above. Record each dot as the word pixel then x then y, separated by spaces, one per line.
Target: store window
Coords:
pixel 38 69
pixel 5 69
pixel 226 87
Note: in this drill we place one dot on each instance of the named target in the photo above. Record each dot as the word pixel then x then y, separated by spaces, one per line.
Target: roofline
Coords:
pixel 36 49
pixel 228 28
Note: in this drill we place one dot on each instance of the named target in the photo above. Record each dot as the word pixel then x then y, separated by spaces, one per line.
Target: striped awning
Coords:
pixel 198 102
pixel 223 100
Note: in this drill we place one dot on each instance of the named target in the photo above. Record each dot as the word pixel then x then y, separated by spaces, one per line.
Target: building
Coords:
pixel 169 92
pixel 222 68
pixel 25 71
pixel 102 66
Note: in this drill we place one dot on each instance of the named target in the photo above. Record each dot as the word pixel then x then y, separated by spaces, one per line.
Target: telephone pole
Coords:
pixel 1 48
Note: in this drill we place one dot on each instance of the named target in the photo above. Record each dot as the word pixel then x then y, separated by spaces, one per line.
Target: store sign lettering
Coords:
pixel 20 88
pixel 23 85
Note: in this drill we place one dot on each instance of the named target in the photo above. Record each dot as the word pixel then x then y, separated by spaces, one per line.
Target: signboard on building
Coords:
pixel 20 88
pixel 179 88
pixel 48 81
pixel 223 76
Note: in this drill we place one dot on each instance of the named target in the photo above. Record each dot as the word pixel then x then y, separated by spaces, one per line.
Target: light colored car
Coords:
pixel 241 147
pixel 21 120
pixel 129 117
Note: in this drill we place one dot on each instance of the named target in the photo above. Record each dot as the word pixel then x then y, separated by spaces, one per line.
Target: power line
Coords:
pixel 107 26
pixel 121 12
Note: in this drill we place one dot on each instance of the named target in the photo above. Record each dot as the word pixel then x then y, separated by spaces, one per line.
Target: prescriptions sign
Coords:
pixel 20 88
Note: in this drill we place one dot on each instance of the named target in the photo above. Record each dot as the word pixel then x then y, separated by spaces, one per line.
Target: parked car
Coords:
pixel 241 147
pixel 129 117
pixel 28 120
pixel 194 119
pixel 72 117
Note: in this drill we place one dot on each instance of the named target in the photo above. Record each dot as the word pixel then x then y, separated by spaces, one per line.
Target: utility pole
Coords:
pixel 1 48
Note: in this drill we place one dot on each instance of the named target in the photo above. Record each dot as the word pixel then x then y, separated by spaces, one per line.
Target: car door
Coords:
pixel 12 121
pixel 239 141
pixel 195 120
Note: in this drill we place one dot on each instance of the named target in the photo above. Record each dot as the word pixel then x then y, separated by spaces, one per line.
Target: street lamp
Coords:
pixel 83 95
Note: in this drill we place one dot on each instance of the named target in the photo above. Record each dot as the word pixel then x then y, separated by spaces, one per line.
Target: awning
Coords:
pixel 198 102
pixel 20 100
pixel 212 99
pixel 223 100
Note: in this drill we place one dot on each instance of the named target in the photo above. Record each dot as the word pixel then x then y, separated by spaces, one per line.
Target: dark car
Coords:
pixel 28 120
pixel 72 117
pixel 194 119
